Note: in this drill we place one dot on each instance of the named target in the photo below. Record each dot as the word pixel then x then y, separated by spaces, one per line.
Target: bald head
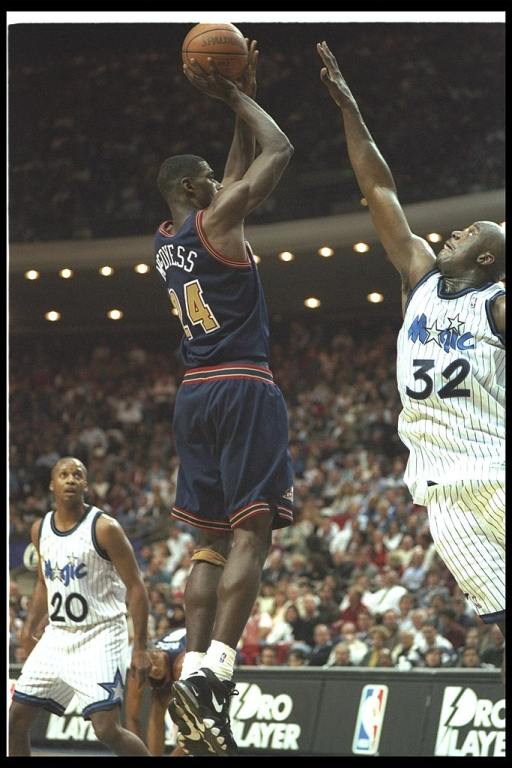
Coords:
pixel 72 462
pixel 492 241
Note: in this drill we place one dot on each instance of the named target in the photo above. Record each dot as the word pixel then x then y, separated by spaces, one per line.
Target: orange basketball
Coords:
pixel 224 43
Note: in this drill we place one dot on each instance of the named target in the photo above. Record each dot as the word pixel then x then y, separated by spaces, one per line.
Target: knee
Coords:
pixel 107 730
pixel 254 536
pixel 21 717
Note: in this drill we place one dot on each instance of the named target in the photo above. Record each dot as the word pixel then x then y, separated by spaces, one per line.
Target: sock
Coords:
pixel 220 658
pixel 191 663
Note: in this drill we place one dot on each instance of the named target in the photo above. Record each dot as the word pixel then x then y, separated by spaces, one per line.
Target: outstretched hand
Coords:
pixel 332 78
pixel 248 81
pixel 211 82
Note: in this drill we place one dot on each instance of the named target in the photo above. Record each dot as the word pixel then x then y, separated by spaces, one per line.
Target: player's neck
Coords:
pixel 68 513
pixel 454 284
pixel 180 212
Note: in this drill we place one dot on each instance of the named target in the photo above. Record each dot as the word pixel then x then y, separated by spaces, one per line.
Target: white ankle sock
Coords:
pixel 191 663
pixel 220 658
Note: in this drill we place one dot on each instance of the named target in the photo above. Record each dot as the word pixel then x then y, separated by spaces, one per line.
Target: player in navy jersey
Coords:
pixel 450 369
pixel 230 420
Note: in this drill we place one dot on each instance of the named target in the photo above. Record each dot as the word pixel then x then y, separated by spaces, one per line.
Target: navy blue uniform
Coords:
pixel 230 420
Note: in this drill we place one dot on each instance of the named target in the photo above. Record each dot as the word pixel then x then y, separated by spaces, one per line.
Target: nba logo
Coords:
pixel 369 720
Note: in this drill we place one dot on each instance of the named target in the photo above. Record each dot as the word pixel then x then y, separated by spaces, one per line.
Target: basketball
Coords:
pixel 224 43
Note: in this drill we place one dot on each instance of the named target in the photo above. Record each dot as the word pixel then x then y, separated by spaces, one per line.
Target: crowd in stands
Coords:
pixel 95 109
pixel 354 582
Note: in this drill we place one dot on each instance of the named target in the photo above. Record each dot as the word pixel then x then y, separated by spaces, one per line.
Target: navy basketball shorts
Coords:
pixel 231 431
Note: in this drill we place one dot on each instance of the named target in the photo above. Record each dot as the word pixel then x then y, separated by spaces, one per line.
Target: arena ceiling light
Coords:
pixel 66 273
pixel 325 251
pixel 32 274
pixel 114 314
pixel 434 237
pixel 285 256
pixel 141 269
pixel 52 316
pixel 375 297
pixel 361 247
pixel 106 271
pixel 312 302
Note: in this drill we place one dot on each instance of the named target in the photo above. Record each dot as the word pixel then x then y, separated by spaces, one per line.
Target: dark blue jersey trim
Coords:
pixel 492 618
pixel 420 282
pixel 56 531
pixel 445 295
pixel 97 706
pixel 101 552
pixel 53 706
pixel 490 318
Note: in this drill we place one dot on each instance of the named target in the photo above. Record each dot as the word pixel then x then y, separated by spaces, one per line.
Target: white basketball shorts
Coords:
pixel 467 522
pixel 89 662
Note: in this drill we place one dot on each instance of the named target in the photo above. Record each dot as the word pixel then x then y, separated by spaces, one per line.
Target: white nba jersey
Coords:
pixel 451 379
pixel 83 586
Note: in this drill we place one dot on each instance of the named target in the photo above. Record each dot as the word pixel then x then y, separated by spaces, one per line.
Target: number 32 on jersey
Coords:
pixel 197 311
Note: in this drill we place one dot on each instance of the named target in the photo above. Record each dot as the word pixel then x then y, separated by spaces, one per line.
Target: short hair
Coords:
pixel 174 169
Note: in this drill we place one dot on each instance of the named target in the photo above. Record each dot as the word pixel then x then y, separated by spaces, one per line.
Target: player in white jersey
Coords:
pixel 86 573
pixel 450 369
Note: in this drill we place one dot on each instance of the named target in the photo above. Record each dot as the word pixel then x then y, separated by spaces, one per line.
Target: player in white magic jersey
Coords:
pixel 86 573
pixel 450 369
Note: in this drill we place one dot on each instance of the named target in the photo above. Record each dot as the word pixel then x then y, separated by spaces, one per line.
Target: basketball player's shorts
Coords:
pixel 231 431
pixel 467 523
pixel 89 663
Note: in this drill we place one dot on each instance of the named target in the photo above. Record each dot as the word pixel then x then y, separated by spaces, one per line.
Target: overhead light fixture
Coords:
pixel 52 316
pixel 285 256
pixel 312 302
pixel 361 247
pixel 106 271
pixel 114 314
pixel 142 269
pixel 375 298
pixel 32 274
pixel 434 237
pixel 66 273
pixel 325 251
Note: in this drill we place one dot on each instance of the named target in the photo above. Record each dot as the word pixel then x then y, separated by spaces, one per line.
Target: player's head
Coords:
pixel 69 480
pixel 187 179
pixel 480 247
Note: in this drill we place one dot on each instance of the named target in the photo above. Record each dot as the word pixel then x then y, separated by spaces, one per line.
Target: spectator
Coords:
pixel 430 638
pixel 493 652
pixel 357 647
pixel 297 658
pixel 390 621
pixel 268 656
pixel 339 656
pixel 389 594
pixel 404 655
pixel 450 629
pixel 322 646
pixel 470 658
pixel 433 658
pixel 355 605
pixel 378 637
pixel 414 575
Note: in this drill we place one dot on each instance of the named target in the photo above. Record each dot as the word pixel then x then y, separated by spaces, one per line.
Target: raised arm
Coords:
pixel 231 205
pixel 241 153
pixel 409 254
pixel 113 540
